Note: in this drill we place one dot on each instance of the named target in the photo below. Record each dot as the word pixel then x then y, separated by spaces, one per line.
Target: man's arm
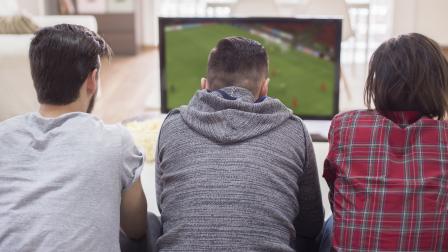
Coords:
pixel 133 211
pixel 158 178
pixel 161 145
pixel 133 201
pixel 310 220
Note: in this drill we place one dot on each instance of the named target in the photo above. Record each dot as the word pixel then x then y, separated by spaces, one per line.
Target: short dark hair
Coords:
pixel 237 61
pixel 61 58
pixel 409 72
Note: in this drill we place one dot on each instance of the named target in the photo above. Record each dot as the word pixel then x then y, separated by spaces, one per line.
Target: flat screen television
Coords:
pixel 303 59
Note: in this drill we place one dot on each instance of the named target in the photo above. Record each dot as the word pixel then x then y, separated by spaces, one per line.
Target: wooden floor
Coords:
pixel 126 84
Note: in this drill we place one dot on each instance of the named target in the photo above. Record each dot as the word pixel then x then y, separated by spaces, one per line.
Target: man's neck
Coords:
pixel 52 111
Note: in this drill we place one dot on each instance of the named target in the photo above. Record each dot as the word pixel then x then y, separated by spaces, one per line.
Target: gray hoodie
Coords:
pixel 235 174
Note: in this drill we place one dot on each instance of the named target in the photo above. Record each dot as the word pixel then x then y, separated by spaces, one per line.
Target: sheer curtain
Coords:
pixel 372 24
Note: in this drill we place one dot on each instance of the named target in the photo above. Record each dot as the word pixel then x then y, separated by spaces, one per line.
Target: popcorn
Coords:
pixel 145 134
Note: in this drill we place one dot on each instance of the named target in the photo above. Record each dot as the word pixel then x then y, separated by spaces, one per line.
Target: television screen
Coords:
pixel 303 59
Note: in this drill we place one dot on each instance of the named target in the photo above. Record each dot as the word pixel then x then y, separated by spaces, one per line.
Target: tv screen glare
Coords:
pixel 303 59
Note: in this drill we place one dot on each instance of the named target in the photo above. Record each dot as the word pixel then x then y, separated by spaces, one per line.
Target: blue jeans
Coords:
pixel 327 236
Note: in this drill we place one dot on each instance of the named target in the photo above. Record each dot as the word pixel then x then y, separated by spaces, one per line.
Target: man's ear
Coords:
pixel 204 83
pixel 92 81
pixel 264 87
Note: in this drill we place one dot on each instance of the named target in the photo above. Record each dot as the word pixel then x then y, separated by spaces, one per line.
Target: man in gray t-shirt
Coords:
pixel 68 181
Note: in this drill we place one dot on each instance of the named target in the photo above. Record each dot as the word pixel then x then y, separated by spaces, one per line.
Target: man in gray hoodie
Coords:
pixel 235 169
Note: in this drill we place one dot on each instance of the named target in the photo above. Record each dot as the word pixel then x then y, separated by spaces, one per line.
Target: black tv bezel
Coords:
pixel 165 21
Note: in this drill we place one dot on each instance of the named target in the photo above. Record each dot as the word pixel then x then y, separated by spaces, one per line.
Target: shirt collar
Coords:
pixel 403 117
pixel 224 94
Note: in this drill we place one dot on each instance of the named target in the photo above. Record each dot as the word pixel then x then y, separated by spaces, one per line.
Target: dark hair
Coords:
pixel 61 58
pixel 409 72
pixel 237 61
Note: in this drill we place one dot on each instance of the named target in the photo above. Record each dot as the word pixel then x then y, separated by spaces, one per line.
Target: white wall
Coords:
pixel 32 6
pixel 151 9
pixel 432 19
pixel 428 17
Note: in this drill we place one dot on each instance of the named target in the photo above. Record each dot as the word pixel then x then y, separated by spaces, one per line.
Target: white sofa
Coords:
pixel 17 93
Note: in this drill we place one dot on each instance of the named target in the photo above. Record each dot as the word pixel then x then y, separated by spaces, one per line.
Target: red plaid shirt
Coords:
pixel 388 179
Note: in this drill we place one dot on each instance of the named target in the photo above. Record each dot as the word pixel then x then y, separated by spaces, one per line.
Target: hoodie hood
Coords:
pixel 232 114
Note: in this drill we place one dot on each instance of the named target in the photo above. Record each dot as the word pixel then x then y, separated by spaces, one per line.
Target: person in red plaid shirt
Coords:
pixel 387 168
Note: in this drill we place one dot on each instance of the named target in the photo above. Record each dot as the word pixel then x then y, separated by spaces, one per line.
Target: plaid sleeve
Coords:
pixel 330 161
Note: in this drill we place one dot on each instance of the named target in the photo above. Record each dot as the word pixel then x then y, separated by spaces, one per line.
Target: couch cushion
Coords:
pixel 17 24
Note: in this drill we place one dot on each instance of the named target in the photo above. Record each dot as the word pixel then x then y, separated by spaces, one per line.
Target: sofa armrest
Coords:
pixel 84 20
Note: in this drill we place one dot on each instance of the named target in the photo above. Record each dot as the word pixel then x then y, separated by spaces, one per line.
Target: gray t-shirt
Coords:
pixel 61 181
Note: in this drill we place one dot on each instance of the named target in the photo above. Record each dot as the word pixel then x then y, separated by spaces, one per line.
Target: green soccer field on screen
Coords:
pixel 302 61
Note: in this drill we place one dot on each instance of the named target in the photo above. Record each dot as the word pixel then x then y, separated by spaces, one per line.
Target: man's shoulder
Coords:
pixel 296 120
pixel 296 123
pixel 14 123
pixel 84 123
pixel 72 122
pixel 89 122
pixel 116 131
pixel 173 120
pixel 291 132
pixel 14 120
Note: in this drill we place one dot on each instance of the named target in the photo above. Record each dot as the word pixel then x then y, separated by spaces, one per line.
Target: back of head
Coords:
pixel 61 57
pixel 406 73
pixel 237 61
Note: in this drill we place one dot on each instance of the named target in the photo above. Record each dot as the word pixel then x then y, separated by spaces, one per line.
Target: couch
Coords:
pixel 17 93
